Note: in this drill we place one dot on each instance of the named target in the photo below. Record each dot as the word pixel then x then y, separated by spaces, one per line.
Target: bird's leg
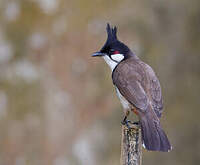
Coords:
pixel 125 121
pixel 136 112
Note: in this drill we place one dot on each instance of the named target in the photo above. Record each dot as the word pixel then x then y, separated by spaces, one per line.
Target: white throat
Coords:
pixel 116 58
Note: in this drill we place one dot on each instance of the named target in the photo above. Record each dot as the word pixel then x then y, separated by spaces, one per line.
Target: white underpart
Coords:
pixel 124 102
pixel 112 64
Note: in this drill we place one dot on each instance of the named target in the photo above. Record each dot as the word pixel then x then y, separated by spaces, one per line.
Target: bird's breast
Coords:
pixel 126 105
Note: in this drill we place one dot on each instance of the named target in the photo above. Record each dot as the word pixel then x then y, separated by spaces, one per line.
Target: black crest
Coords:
pixel 112 42
pixel 112 33
pixel 111 38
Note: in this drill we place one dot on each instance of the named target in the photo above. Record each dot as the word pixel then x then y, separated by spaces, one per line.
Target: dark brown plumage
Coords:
pixel 138 83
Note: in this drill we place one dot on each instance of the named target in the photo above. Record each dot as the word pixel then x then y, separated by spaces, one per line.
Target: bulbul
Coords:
pixel 138 89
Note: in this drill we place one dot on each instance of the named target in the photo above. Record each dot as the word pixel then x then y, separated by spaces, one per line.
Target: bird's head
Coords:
pixel 113 50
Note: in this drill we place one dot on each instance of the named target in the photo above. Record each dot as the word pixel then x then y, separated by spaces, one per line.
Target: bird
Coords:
pixel 137 88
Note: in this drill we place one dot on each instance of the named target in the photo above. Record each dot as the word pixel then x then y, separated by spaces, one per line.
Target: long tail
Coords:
pixel 154 138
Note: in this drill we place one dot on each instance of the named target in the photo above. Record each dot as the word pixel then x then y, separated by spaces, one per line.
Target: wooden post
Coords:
pixel 131 145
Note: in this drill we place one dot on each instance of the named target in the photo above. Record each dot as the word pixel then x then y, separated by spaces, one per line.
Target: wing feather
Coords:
pixel 153 90
pixel 138 83
pixel 126 79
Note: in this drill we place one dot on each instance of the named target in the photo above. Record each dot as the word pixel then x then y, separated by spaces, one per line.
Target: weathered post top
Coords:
pixel 131 145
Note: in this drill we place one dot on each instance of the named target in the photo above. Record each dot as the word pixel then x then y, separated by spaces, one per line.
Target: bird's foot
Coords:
pixel 126 122
pixel 136 123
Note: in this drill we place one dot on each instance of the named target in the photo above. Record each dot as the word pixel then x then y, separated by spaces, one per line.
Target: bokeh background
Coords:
pixel 58 105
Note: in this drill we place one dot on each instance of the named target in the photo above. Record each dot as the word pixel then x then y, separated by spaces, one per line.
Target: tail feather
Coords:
pixel 165 145
pixel 154 138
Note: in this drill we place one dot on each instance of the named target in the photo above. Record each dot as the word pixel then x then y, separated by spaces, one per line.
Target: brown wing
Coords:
pixel 127 78
pixel 154 90
pixel 138 83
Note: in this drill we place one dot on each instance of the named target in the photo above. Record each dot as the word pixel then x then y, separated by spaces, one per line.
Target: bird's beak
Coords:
pixel 98 54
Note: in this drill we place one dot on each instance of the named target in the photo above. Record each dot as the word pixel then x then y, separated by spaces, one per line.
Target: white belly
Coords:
pixel 126 105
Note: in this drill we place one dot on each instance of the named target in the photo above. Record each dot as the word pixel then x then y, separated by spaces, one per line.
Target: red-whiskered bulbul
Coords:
pixel 138 89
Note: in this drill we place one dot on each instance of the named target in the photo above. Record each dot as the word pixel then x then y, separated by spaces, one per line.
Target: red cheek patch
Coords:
pixel 116 52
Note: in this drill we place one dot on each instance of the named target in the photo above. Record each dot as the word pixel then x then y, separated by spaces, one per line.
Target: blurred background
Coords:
pixel 58 105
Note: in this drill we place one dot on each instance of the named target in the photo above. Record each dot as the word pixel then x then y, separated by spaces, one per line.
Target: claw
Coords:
pixel 136 123
pixel 127 125
pixel 125 122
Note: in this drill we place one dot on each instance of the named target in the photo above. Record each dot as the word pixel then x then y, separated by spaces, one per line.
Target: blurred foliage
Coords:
pixel 58 105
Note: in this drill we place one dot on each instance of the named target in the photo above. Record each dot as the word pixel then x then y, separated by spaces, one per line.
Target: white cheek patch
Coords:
pixel 117 57
pixel 112 64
